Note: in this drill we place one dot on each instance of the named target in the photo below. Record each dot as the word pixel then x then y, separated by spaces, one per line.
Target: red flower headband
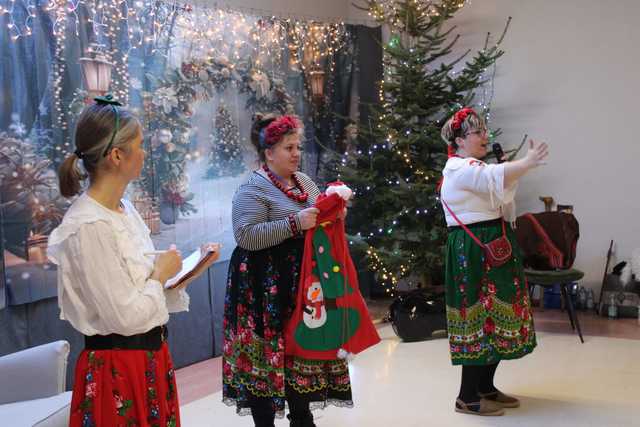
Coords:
pixel 460 117
pixel 278 128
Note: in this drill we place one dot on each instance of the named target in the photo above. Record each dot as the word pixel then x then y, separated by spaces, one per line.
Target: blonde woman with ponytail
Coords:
pixel 108 289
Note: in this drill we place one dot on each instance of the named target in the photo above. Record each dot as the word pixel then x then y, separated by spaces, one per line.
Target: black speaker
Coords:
pixel 418 316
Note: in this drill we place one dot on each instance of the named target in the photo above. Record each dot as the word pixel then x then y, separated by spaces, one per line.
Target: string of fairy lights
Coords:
pixel 158 27
pixel 20 18
pixel 233 35
pixel 57 7
pixel 387 11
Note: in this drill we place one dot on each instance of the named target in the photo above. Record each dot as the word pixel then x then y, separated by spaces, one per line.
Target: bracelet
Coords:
pixel 293 225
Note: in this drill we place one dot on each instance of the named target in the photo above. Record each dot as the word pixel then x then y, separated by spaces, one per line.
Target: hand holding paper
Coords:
pixel 167 264
pixel 194 265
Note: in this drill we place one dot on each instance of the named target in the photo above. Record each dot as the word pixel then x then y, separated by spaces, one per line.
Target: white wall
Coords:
pixel 570 77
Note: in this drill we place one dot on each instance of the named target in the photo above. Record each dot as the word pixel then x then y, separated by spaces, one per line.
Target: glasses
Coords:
pixel 480 133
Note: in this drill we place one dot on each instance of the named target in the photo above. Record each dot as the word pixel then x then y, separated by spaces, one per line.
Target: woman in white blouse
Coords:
pixel 108 289
pixel 488 309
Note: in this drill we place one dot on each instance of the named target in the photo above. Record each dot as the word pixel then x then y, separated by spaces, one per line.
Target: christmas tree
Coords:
pixel 225 158
pixel 397 162
pixel 29 202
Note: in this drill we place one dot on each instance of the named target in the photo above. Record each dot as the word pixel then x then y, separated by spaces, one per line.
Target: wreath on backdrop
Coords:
pixel 168 111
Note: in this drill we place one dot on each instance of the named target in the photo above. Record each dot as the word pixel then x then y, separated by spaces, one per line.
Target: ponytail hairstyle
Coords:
pixel 100 128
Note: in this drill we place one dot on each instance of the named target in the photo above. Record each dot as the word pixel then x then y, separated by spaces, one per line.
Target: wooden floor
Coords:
pixel 199 380
pixel 204 378
pixel 557 321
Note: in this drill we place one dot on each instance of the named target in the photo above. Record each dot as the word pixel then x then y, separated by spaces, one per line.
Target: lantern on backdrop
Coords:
pixel 316 78
pixel 96 71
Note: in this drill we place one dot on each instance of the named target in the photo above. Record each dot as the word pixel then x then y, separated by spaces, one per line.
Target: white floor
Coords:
pixel 563 383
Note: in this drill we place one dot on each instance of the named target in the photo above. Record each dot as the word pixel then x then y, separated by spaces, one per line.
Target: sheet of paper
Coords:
pixel 192 266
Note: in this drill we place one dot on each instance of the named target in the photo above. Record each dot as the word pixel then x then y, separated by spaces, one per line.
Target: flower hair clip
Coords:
pixel 460 117
pixel 278 128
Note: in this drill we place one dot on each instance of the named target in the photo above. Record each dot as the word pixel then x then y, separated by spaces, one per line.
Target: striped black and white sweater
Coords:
pixel 260 211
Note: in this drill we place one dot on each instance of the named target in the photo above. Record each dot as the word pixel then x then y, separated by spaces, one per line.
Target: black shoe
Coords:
pixel 263 423
pixel 264 418
pixel 304 421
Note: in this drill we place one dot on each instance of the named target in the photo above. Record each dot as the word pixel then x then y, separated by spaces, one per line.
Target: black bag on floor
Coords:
pixel 416 315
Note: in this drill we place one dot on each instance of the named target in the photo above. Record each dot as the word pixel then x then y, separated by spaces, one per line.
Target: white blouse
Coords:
pixel 103 274
pixel 475 192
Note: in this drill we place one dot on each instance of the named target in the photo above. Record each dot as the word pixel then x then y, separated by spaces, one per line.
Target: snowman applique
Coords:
pixel 315 312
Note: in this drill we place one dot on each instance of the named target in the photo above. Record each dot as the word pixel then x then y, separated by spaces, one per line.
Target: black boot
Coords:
pixel 263 420
pixel 299 409
pixel 262 412
pixel 304 419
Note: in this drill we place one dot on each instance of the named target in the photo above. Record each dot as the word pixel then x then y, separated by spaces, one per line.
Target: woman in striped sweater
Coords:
pixel 270 213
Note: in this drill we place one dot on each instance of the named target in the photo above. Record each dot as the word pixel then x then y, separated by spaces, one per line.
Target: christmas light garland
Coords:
pixel 158 26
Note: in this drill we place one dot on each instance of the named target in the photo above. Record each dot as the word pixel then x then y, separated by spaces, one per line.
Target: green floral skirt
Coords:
pixel 488 309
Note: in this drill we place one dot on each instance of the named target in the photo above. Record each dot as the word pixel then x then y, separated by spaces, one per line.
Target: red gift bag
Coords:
pixel 330 319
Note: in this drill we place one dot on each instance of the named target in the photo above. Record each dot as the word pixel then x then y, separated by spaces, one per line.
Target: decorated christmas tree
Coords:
pixel 225 157
pixel 30 203
pixel 397 162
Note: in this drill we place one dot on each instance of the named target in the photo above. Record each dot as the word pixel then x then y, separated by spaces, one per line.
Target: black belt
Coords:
pixel 151 340
pixel 497 221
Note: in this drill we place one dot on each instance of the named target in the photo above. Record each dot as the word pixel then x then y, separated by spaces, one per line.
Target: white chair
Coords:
pixel 33 387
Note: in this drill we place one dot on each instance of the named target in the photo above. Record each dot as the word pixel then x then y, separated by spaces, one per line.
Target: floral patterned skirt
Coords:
pixel 125 388
pixel 261 289
pixel 488 309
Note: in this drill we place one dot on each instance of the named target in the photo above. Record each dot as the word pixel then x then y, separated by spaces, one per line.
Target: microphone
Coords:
pixel 497 151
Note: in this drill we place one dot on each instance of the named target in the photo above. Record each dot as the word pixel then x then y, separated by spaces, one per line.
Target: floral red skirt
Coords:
pixel 125 388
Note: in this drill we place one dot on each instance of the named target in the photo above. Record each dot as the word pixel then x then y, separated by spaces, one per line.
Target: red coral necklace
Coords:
pixel 300 198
